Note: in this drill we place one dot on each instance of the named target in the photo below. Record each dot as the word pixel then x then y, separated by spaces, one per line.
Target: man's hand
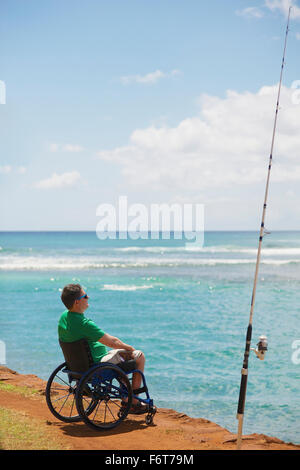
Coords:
pixel 126 355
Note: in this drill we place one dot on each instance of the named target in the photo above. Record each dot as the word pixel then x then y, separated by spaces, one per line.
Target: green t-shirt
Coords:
pixel 74 326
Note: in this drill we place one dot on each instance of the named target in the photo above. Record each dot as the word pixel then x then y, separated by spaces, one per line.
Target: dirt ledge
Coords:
pixel 171 430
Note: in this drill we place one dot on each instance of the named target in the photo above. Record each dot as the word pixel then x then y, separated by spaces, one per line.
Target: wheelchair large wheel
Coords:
pixel 109 388
pixel 60 396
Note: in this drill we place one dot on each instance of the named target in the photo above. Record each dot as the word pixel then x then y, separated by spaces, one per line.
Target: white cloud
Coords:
pixel 283 6
pixel 298 36
pixel 21 170
pixel 53 147
pixel 5 169
pixel 72 148
pixel 149 78
pixel 226 144
pixel 59 181
pixel 65 148
pixel 250 12
pixel 273 5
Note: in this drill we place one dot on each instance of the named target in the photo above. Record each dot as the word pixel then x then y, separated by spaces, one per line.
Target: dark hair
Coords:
pixel 70 293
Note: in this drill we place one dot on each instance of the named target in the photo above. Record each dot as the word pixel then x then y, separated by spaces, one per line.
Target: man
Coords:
pixel 73 325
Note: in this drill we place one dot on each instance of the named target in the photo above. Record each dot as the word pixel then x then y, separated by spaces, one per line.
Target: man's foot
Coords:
pixel 136 408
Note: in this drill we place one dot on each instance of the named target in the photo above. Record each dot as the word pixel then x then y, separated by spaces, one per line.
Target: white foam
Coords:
pixel 117 287
pixel 264 251
pixel 15 263
pixel 211 249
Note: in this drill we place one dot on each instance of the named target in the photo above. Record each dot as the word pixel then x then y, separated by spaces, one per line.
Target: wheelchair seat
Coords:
pixel 79 358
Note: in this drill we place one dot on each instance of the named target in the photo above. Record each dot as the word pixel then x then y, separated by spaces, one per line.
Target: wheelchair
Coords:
pixel 99 394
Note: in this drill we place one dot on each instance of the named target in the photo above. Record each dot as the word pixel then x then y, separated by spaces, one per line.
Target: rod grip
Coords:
pixel 244 378
pixel 242 396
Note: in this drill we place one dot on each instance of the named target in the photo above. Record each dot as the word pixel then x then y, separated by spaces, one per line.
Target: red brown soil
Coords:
pixel 171 430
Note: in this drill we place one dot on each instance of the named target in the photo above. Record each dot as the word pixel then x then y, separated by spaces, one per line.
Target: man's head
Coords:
pixel 74 298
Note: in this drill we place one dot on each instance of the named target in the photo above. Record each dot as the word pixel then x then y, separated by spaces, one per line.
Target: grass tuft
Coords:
pixel 19 432
pixel 22 390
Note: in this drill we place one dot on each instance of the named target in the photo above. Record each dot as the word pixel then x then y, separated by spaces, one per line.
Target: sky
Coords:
pixel 161 101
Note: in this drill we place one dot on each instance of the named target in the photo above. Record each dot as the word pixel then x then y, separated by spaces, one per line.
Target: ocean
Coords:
pixel 186 306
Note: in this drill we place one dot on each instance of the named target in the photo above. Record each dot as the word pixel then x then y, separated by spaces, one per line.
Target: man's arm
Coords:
pixel 115 343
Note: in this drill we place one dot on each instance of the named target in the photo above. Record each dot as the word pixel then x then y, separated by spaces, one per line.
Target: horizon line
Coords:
pixel 160 231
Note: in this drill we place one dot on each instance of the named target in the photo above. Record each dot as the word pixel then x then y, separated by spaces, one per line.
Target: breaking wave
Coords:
pixel 116 287
pixel 39 263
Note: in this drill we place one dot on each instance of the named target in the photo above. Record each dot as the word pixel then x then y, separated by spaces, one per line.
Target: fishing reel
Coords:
pixel 262 347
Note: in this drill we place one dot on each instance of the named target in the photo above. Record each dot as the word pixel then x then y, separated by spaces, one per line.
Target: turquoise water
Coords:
pixel 186 307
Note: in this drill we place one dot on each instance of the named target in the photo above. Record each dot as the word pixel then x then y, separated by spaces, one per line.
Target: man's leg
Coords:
pixel 140 360
pixel 140 364
pixel 139 357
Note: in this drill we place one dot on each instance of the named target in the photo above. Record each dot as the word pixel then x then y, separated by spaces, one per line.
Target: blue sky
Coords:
pixel 110 98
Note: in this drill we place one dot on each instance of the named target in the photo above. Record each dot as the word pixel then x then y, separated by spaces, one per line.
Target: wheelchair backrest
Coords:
pixel 77 355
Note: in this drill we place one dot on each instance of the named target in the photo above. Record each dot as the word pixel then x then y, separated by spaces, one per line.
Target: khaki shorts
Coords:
pixel 115 356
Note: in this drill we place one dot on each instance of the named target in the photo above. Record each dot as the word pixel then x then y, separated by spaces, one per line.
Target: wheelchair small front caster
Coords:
pixel 149 419
pixel 150 415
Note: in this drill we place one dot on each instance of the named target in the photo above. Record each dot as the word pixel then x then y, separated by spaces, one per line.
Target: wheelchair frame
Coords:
pixel 77 393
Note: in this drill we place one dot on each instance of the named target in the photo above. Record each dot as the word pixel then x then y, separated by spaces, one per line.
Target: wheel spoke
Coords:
pixel 107 405
pixel 60 378
pixel 71 411
pixel 105 413
pixel 97 407
pixel 116 403
pixel 64 403
pixel 61 398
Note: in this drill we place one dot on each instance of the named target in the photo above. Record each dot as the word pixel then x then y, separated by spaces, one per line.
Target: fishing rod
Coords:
pixel 262 345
